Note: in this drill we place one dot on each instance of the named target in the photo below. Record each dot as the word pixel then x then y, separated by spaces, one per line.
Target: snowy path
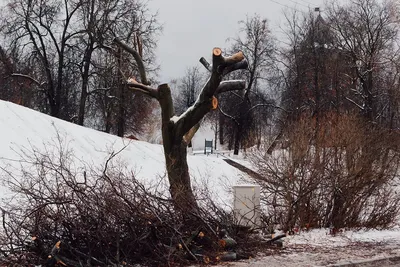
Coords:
pixel 315 248
pixel 307 257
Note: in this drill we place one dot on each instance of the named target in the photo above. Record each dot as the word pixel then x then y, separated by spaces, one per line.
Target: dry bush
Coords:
pixel 102 216
pixel 341 174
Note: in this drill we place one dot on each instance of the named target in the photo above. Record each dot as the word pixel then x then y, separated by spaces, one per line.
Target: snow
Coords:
pixel 246 185
pixel 319 248
pixel 203 133
pixel 174 119
pixel 322 238
pixel 24 128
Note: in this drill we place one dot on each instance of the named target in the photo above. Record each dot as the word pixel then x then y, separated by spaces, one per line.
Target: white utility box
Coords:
pixel 246 205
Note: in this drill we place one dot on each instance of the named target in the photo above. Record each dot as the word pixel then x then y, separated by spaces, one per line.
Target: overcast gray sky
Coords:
pixel 193 27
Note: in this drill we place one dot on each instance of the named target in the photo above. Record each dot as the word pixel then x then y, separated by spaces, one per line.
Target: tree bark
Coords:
pixel 121 112
pixel 238 138
pixel 121 100
pixel 179 178
pixel 85 81
pixel 175 152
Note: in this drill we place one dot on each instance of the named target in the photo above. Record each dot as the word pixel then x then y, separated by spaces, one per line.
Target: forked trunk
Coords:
pixel 177 132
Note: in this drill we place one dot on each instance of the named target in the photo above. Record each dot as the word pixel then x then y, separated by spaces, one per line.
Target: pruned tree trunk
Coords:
pixel 177 132
pixel 175 150
pixel 179 178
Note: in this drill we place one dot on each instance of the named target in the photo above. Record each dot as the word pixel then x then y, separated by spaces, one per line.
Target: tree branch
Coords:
pixel 165 100
pixel 205 63
pixel 135 86
pixel 265 105
pixel 231 85
pixel 28 78
pixel 354 102
pixel 237 66
pixel 228 116
pixel 189 135
pixel 138 59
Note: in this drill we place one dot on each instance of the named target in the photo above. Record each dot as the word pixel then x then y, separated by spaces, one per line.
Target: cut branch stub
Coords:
pixel 166 103
pixel 218 60
pixel 217 52
pixel 205 63
pixel 231 85
pixel 234 58
pixel 214 103
pixel 234 62
pixel 189 135
pixel 237 59
pixel 135 86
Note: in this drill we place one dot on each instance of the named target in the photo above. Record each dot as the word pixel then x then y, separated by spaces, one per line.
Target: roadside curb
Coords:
pixel 369 263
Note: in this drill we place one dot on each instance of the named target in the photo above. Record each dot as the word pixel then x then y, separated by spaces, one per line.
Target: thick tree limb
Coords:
pixel 228 116
pixel 233 59
pixel 205 63
pixel 165 100
pixel 237 66
pixel 135 86
pixel 231 85
pixel 189 135
pixel 138 59
pixel 28 78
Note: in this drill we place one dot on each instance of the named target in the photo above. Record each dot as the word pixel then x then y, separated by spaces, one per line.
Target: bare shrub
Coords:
pixel 103 216
pixel 341 174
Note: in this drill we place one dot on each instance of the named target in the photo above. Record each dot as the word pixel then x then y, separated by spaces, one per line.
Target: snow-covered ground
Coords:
pixel 22 128
pixel 319 248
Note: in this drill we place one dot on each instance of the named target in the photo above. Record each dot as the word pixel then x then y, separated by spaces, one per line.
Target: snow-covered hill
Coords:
pixel 23 128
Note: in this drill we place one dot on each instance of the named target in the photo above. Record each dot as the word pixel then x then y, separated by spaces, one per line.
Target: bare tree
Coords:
pixel 365 29
pixel 189 87
pixel 258 46
pixel 178 131
pixel 36 25
pixel 65 39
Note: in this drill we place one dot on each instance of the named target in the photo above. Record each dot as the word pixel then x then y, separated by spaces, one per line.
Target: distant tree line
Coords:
pixel 57 57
